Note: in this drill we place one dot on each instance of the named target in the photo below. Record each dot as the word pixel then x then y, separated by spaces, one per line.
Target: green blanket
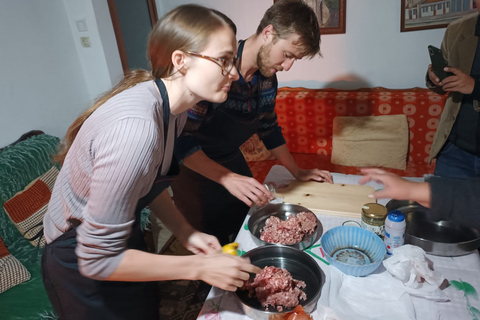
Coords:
pixel 19 165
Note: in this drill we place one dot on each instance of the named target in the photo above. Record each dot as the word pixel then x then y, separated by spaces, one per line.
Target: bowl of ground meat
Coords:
pixel 286 224
pixel 289 277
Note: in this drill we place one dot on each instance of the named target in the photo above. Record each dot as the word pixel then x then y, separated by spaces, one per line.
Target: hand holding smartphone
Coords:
pixel 438 63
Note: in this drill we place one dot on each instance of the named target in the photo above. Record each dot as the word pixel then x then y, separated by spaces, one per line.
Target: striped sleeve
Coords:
pixel 122 172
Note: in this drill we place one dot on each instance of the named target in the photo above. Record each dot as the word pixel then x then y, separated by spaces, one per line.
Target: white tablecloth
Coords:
pixel 463 273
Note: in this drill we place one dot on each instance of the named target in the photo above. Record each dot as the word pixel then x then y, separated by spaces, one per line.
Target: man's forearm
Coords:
pixel 283 155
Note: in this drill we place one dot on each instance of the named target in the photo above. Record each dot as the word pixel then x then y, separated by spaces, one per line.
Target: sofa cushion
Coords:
pixel 20 165
pixel 12 272
pixel 27 208
pixel 371 141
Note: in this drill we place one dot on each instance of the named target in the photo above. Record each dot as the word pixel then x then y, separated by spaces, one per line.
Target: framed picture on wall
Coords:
pixel 431 14
pixel 330 15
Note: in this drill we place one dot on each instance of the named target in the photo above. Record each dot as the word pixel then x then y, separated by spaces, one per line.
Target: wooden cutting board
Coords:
pixel 325 198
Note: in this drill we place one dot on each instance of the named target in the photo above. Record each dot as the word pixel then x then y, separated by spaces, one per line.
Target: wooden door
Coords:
pixel 132 22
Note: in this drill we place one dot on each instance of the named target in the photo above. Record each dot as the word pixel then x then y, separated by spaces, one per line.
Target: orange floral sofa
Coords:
pixel 306 117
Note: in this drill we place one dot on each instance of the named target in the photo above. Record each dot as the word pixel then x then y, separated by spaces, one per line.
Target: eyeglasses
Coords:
pixel 225 64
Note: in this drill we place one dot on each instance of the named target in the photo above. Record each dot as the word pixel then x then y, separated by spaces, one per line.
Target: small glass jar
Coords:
pixel 373 218
pixel 270 186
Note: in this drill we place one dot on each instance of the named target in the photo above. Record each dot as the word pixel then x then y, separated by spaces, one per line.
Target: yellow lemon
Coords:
pixel 230 248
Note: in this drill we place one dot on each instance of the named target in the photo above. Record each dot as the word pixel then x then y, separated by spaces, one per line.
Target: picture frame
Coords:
pixel 422 15
pixel 330 14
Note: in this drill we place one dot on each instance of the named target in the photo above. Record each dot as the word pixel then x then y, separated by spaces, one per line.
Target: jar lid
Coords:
pixel 374 210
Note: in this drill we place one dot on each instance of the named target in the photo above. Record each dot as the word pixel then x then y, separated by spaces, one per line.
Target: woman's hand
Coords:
pixel 247 189
pixel 313 174
pixel 202 243
pixel 224 271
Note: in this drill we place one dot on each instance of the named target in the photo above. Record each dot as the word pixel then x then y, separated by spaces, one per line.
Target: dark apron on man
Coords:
pixel 84 298
pixel 207 205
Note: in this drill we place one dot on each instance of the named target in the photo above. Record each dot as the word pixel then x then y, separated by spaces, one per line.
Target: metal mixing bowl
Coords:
pixel 441 238
pixel 300 265
pixel 282 211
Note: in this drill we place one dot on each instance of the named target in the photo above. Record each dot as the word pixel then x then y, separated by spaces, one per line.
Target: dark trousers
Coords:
pixel 74 296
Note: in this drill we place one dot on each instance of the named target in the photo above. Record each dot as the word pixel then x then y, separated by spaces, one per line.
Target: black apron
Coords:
pixel 207 205
pixel 74 296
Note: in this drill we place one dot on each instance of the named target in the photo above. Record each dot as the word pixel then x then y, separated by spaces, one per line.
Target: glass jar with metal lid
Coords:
pixel 373 218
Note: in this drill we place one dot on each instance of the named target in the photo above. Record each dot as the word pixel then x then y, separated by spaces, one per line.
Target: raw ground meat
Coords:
pixel 277 288
pixel 290 231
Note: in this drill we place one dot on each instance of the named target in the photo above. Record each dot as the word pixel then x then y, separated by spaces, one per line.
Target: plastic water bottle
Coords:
pixel 394 230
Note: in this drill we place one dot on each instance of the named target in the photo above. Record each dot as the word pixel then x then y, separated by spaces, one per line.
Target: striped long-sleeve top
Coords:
pixel 111 164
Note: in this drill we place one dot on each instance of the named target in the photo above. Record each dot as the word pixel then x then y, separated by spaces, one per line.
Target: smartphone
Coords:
pixel 438 63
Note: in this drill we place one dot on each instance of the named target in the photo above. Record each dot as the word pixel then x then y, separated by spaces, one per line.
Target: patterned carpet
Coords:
pixel 181 299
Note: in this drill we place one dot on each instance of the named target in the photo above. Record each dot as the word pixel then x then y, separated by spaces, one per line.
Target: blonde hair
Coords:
pixel 185 28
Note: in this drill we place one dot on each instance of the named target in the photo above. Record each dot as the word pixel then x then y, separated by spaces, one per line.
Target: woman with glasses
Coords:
pixel 117 158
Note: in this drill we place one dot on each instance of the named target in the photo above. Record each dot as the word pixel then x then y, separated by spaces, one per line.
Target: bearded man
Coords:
pixel 215 187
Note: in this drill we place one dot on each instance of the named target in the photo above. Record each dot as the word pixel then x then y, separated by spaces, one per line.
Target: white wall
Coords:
pixel 373 52
pixel 41 79
pixel 101 61
pixel 47 79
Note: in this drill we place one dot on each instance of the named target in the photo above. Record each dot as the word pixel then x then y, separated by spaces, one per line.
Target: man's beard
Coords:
pixel 263 60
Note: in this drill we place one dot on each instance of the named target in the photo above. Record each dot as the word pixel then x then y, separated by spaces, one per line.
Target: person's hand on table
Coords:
pixel 225 271
pixel 313 174
pixel 202 243
pixel 247 189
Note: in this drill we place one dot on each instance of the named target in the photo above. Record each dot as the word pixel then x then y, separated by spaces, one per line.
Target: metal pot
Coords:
pixel 300 265
pixel 282 211
pixel 441 238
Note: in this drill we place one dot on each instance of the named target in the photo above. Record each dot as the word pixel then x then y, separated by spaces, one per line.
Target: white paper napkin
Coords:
pixel 410 265
pixel 383 296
